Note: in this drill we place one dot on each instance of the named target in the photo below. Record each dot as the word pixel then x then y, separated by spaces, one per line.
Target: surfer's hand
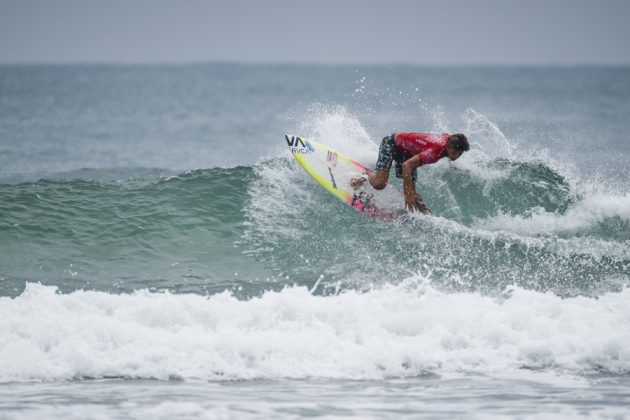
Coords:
pixel 423 208
pixel 413 202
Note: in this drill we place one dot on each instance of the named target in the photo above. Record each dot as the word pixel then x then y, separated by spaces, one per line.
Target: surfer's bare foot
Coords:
pixel 358 181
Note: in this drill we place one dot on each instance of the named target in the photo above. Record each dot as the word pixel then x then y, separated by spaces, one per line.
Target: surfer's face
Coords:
pixel 453 153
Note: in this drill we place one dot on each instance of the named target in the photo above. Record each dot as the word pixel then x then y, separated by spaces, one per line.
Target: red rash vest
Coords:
pixel 429 147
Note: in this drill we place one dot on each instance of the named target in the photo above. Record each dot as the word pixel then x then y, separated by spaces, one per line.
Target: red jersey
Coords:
pixel 429 147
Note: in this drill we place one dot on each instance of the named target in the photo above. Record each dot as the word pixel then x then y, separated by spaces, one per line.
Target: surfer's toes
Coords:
pixel 358 181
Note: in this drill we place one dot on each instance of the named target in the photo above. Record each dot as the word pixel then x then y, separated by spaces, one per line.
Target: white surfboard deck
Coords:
pixel 334 171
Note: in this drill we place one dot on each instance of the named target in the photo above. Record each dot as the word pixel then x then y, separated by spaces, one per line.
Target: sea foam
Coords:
pixel 586 214
pixel 392 332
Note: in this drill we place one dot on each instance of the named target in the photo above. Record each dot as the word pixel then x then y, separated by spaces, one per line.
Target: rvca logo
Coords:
pixel 295 142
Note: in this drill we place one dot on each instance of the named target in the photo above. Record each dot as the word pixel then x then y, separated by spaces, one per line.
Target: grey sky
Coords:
pixel 323 31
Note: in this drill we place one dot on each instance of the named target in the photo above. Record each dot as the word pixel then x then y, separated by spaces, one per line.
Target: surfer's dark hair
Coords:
pixel 458 142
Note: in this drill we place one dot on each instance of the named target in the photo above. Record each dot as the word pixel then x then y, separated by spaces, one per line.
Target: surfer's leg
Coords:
pixel 399 159
pixel 378 178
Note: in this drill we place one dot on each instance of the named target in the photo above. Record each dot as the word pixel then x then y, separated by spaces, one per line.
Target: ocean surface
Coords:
pixel 163 256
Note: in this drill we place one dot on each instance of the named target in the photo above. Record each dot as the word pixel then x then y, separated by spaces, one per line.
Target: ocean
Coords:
pixel 162 255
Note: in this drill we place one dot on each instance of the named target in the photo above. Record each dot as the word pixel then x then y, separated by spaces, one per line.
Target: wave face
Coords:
pixel 271 225
pixel 100 234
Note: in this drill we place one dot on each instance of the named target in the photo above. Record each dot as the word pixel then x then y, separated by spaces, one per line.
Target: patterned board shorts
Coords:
pixel 387 153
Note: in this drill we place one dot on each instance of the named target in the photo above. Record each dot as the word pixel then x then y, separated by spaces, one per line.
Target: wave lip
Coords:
pixel 402 331
pixel 601 214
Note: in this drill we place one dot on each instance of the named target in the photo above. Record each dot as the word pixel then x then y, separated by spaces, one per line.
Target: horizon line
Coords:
pixel 177 63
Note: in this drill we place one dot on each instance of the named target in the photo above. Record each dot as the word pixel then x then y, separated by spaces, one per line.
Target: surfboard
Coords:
pixel 334 171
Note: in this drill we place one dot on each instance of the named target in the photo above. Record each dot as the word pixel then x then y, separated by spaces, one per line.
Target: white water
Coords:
pixel 584 215
pixel 393 332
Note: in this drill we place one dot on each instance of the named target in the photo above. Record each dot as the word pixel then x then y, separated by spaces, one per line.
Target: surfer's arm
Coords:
pixel 413 201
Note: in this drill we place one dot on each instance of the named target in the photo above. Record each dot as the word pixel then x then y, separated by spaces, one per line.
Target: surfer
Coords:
pixel 410 151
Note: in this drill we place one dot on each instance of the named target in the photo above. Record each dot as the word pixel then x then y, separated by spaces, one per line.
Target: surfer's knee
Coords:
pixel 379 179
pixel 378 184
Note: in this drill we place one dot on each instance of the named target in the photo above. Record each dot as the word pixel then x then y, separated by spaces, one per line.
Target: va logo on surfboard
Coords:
pixel 294 143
